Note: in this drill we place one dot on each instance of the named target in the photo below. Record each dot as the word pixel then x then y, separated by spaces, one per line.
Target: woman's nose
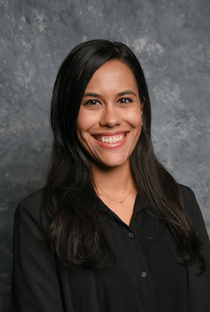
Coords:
pixel 110 116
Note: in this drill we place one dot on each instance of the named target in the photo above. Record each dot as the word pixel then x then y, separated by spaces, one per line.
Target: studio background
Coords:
pixel 170 38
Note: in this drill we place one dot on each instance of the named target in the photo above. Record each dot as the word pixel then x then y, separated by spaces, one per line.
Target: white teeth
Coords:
pixel 110 140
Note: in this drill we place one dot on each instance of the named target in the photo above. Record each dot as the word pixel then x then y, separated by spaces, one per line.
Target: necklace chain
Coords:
pixel 117 201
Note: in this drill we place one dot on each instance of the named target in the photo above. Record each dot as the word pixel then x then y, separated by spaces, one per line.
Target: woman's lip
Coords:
pixel 110 134
pixel 112 145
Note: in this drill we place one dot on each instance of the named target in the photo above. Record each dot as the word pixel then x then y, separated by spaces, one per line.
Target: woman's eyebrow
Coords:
pixel 126 92
pixel 119 94
pixel 92 94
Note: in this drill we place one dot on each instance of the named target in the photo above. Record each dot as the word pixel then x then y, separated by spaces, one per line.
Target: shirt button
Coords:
pixel 143 274
pixel 131 235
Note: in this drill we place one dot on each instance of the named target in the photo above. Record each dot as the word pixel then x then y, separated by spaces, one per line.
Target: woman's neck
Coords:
pixel 115 181
pixel 116 188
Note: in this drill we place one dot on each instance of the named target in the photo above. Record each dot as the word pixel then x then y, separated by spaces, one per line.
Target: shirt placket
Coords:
pixel 142 273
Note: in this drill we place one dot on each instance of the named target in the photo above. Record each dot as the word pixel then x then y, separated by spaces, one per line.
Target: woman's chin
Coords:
pixel 112 163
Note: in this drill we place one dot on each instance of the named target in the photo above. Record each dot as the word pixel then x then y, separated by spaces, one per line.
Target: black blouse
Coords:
pixel 145 278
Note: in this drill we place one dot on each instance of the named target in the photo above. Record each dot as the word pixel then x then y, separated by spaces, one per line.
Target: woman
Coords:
pixel 112 230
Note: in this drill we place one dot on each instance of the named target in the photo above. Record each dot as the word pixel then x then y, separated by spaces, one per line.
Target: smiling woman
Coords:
pixel 109 120
pixel 111 230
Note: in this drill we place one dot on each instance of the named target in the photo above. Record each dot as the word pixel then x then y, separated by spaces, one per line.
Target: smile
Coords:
pixel 110 139
pixel 114 141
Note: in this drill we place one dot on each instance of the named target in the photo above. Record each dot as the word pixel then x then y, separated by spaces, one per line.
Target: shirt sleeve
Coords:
pixel 35 285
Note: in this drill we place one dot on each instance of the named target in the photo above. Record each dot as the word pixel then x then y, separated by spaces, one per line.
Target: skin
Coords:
pixel 111 111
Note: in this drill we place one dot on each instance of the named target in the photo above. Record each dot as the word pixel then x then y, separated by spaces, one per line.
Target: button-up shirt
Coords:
pixel 146 276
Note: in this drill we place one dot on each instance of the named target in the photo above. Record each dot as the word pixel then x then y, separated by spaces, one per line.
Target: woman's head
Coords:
pixel 73 77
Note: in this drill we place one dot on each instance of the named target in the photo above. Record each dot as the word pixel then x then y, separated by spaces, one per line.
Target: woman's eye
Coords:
pixel 91 102
pixel 125 100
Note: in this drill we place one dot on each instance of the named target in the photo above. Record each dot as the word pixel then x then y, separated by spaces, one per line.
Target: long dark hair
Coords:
pixel 76 232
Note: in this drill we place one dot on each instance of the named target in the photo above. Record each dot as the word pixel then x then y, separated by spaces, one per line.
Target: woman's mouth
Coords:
pixel 110 139
pixel 113 141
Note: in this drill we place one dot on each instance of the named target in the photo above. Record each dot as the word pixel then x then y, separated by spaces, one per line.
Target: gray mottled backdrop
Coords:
pixel 171 39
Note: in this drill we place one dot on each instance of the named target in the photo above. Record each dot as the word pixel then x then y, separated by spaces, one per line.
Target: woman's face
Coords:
pixel 110 116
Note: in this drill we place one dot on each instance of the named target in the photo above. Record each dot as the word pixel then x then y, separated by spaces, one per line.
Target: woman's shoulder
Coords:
pixel 191 206
pixel 30 206
pixel 187 192
pixel 188 198
pixel 34 198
